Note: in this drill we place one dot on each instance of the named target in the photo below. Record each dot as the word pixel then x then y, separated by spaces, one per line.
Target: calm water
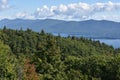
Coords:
pixel 114 42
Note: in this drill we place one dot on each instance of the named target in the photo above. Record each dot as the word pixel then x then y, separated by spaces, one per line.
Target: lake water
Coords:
pixel 114 42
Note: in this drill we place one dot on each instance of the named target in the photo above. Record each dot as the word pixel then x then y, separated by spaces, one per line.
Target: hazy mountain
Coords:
pixel 90 28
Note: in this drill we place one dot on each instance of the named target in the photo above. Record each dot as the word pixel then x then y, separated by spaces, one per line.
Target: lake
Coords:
pixel 114 42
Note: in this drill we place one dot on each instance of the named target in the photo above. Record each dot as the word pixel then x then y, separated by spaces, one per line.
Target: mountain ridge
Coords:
pixel 91 28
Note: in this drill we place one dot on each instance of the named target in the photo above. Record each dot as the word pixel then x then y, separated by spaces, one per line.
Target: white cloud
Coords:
pixel 106 17
pixel 110 6
pixel 3 4
pixel 79 11
pixel 75 11
pixel 23 15
pixel 43 12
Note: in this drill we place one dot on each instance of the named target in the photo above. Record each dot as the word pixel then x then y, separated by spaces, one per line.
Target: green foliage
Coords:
pixel 55 57
pixel 7 63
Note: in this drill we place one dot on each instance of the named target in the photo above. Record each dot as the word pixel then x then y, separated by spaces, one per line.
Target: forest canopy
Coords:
pixel 29 55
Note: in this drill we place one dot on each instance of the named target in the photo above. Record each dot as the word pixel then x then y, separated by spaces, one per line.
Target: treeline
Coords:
pixel 29 55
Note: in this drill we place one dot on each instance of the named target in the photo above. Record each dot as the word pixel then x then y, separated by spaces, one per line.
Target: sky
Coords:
pixel 77 10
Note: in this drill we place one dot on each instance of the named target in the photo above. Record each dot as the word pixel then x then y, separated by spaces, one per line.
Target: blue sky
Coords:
pixel 61 9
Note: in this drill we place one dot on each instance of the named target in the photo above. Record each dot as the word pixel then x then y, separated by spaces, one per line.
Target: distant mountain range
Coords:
pixel 88 28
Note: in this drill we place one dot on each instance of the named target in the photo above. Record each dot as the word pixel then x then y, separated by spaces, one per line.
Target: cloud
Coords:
pixel 24 15
pixel 106 17
pixel 3 4
pixel 75 11
pixel 110 6
pixel 79 10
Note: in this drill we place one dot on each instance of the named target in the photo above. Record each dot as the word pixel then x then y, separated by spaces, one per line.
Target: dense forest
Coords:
pixel 29 55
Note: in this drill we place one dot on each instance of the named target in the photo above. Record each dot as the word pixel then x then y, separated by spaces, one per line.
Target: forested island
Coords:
pixel 29 55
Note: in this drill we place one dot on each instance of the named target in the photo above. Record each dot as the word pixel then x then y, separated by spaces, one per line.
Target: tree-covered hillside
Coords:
pixel 29 55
